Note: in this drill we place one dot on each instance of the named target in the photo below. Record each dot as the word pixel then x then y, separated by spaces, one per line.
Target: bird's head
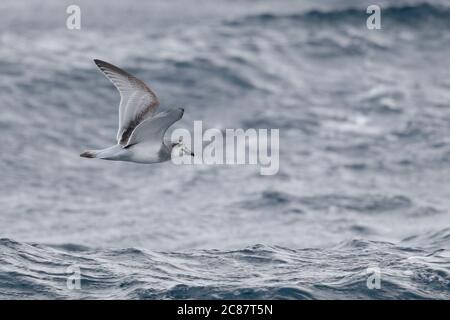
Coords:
pixel 179 149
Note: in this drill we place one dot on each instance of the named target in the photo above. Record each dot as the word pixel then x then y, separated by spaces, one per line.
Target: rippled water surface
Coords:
pixel 364 125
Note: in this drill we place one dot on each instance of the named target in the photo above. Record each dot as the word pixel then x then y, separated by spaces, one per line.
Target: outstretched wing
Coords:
pixel 137 101
pixel 153 129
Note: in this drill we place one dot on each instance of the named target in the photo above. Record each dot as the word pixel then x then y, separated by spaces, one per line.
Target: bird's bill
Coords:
pixel 187 151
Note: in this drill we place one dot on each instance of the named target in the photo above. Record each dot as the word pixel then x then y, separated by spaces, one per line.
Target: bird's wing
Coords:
pixel 153 129
pixel 137 101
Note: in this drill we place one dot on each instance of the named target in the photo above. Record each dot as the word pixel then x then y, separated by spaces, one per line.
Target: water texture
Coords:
pixel 364 151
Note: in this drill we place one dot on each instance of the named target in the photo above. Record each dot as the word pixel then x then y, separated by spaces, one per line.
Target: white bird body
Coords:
pixel 138 153
pixel 140 137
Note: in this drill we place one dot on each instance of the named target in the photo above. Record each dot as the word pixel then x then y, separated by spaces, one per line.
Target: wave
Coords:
pixel 436 239
pixel 29 271
pixel 406 14
pixel 364 203
pixel 350 130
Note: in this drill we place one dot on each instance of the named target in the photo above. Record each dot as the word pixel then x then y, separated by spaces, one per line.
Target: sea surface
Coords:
pixel 358 210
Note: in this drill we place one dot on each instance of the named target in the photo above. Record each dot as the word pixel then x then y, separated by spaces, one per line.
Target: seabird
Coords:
pixel 141 132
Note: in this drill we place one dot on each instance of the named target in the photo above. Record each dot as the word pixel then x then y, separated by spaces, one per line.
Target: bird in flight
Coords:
pixel 141 132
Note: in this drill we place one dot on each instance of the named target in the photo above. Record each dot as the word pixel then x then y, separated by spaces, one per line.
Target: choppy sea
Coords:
pixel 363 185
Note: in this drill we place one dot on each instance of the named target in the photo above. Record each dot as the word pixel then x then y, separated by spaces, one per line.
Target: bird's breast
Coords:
pixel 146 153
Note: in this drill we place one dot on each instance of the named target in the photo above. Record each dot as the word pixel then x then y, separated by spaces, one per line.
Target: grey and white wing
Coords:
pixel 137 101
pixel 153 129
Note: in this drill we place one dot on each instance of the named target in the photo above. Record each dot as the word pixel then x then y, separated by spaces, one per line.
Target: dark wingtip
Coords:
pixel 101 63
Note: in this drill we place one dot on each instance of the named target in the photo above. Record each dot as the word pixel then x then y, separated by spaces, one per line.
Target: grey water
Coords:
pixel 363 183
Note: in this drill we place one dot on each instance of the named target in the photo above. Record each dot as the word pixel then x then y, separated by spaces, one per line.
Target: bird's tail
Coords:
pixel 90 154
pixel 115 152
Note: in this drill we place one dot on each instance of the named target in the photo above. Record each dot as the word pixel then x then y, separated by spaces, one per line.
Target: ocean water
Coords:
pixel 364 124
